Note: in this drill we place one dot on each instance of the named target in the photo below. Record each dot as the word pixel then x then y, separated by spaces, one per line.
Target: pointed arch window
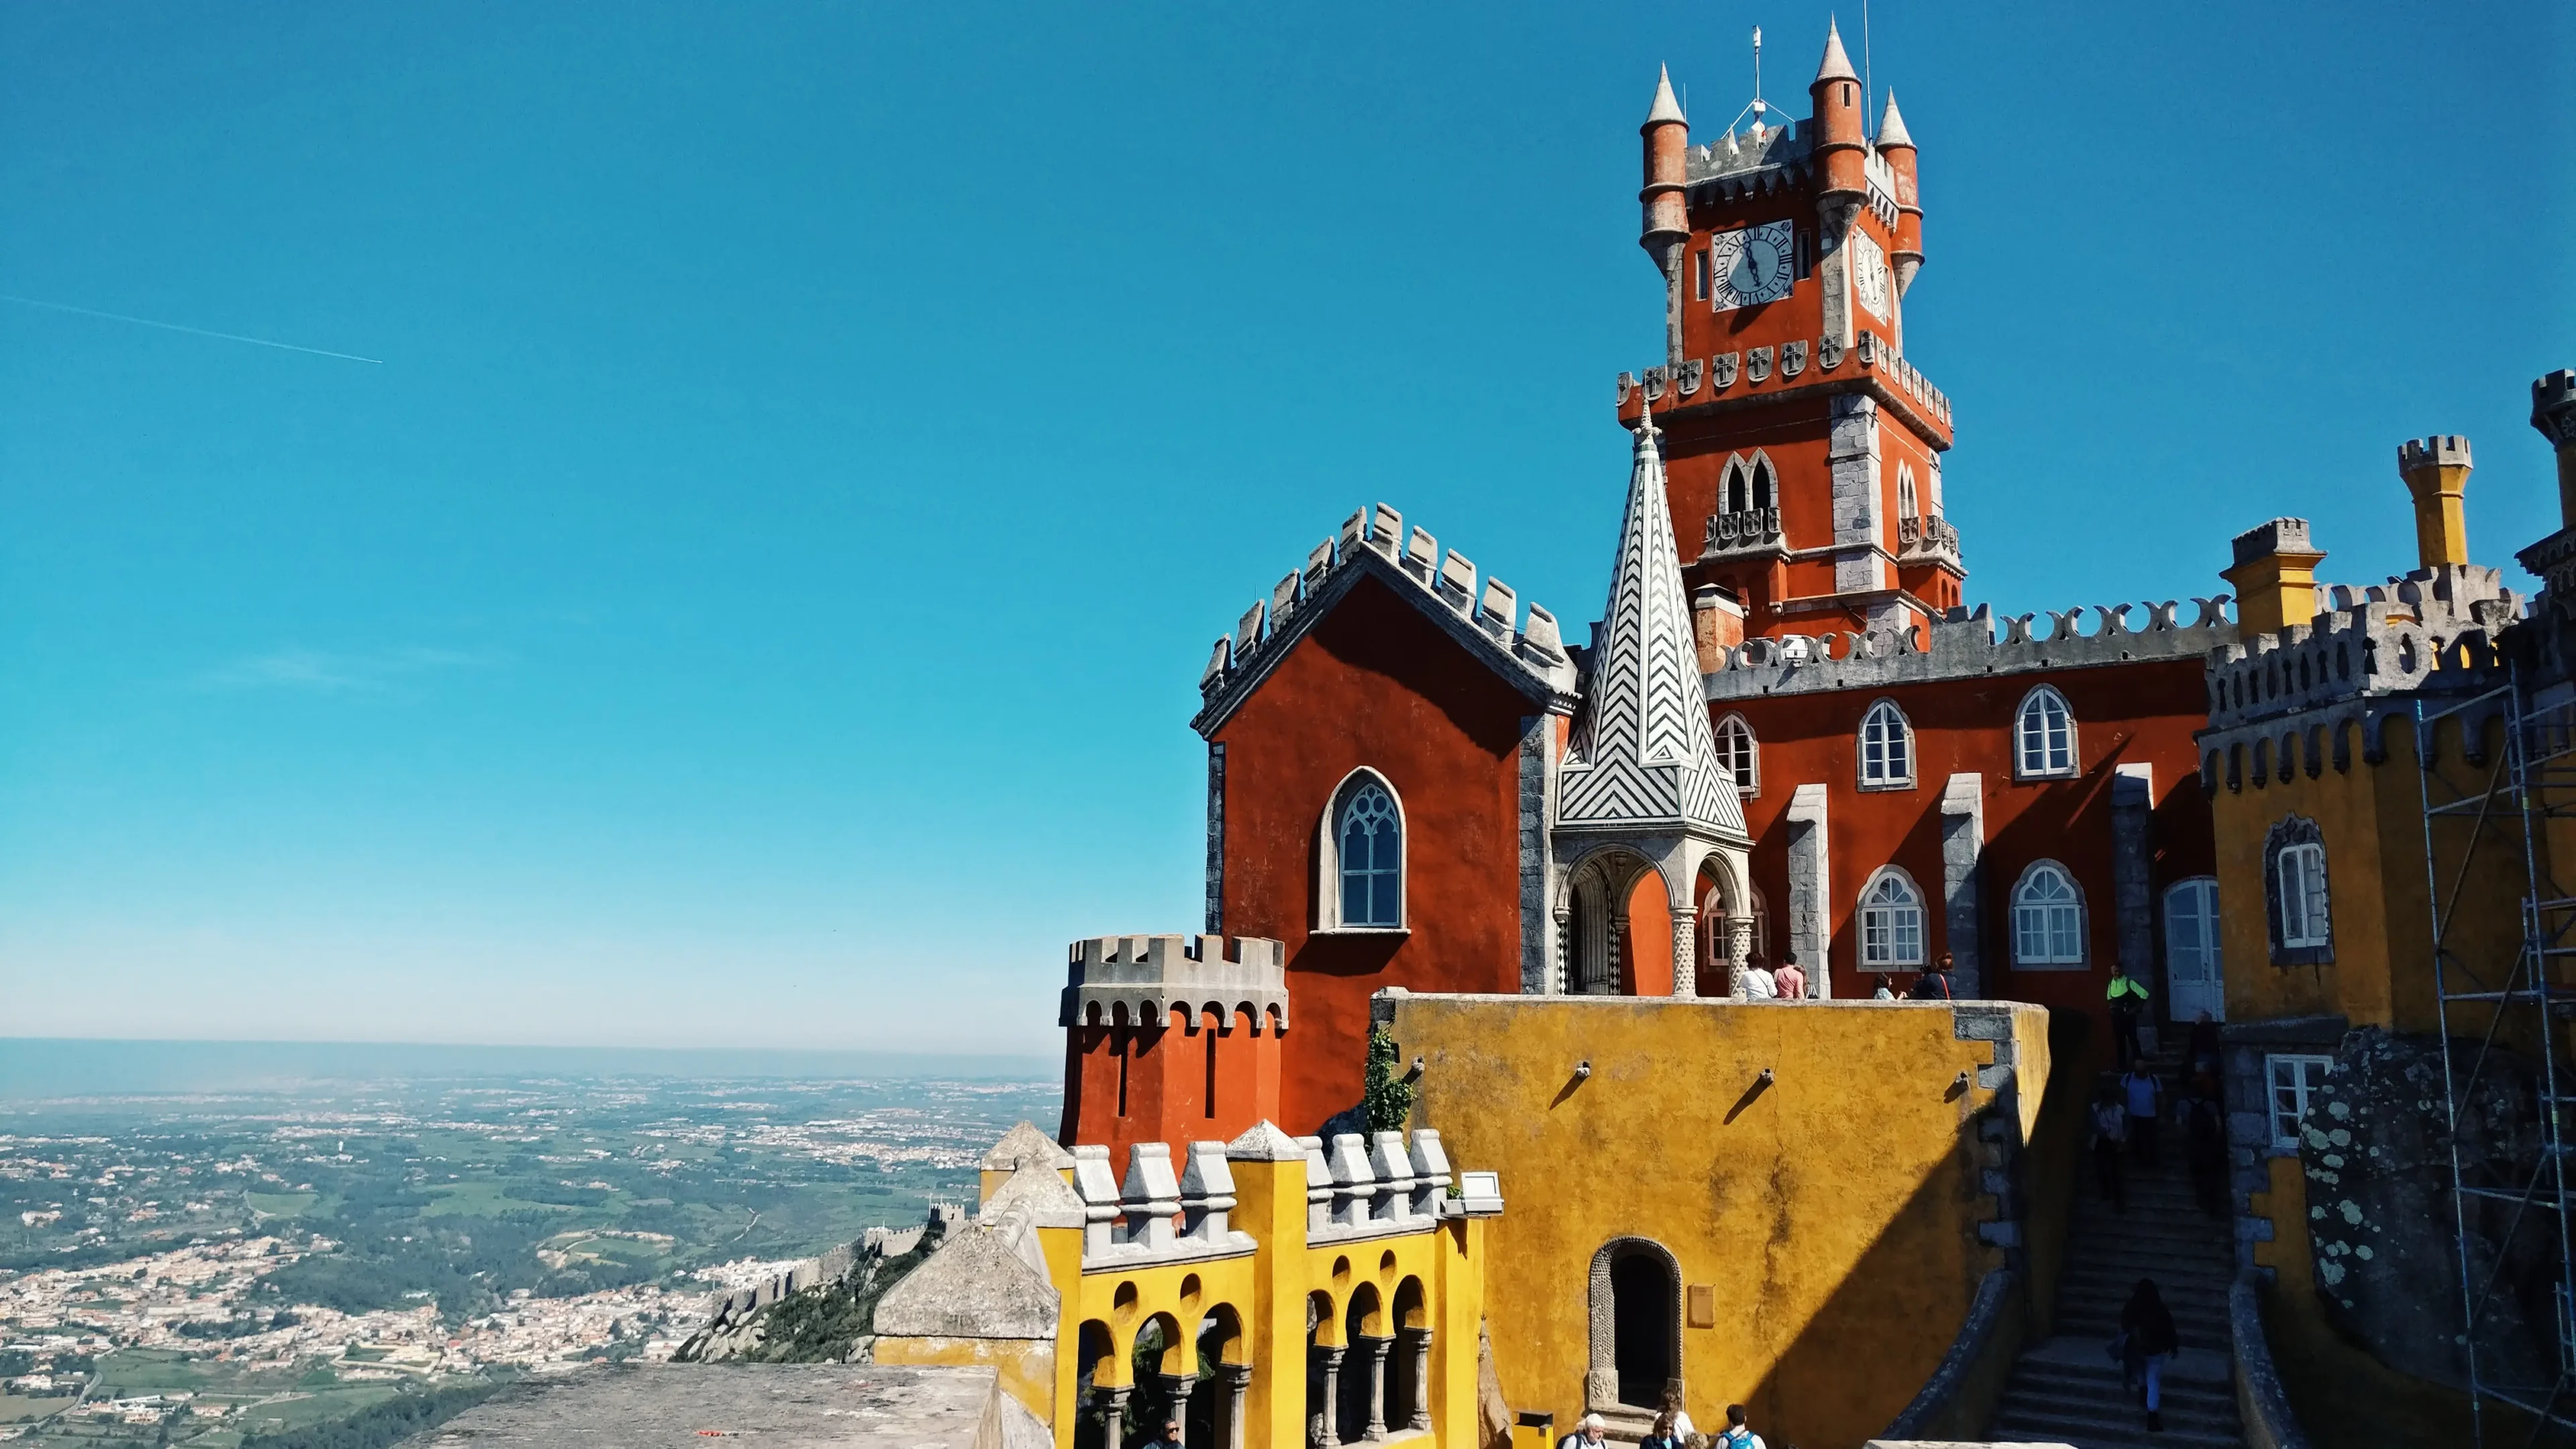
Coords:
pixel 2043 736
pixel 1891 922
pixel 1362 857
pixel 1749 484
pixel 1886 748
pixel 1763 492
pixel 1740 753
pixel 1907 505
pixel 2048 918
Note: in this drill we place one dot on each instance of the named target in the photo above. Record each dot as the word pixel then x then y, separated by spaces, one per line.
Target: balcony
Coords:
pixel 1927 538
pixel 1750 530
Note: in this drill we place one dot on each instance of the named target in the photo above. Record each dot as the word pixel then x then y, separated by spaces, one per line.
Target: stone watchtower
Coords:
pixel 1803 448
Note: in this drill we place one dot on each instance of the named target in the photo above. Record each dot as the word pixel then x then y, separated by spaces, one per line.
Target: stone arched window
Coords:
pixel 2296 916
pixel 1886 748
pixel 2048 918
pixel 1740 753
pixel 1907 504
pixel 2043 736
pixel 1361 857
pixel 1750 483
pixel 1891 922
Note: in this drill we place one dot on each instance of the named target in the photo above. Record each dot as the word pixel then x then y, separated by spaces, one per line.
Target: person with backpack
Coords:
pixel 2128 998
pixel 1737 1435
pixel 2110 1136
pixel 2147 1339
pixel 1934 985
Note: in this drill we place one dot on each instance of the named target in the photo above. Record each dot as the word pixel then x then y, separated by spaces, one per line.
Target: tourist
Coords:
pixel 2204 1045
pixel 1682 1426
pixel 1882 993
pixel 1737 1436
pixel 1171 1435
pixel 1793 987
pixel 2128 997
pixel 1759 983
pixel 2110 1134
pixel 2146 1099
pixel 1662 1435
pixel 2204 1144
pixel 1586 1435
pixel 1934 985
pixel 2147 1339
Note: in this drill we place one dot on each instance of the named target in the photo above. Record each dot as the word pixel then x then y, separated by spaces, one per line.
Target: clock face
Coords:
pixel 1750 265
pixel 1870 282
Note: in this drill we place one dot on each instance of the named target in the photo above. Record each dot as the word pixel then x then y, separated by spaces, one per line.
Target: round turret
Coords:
pixel 1838 144
pixel 1667 133
pixel 1898 149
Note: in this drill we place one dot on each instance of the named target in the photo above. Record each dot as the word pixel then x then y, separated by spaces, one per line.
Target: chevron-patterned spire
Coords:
pixel 1642 754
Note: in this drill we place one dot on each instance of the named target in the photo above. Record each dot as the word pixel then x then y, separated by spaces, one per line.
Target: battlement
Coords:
pixel 1374 541
pixel 1962 644
pixel 2553 406
pixel 1710 378
pixel 1756 161
pixel 2435 628
pixel 2274 536
pixel 2438 451
pixel 1135 980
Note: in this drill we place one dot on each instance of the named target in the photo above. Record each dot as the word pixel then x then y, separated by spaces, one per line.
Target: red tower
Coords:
pixel 1804 450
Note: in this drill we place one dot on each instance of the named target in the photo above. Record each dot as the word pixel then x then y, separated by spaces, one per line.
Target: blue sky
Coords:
pixel 759 596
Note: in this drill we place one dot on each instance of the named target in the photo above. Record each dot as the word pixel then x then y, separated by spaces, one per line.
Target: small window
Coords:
pixel 2048 918
pixel 2294 1081
pixel 2303 896
pixel 1806 250
pixel 1886 748
pixel 1699 273
pixel 1362 857
pixel 1738 489
pixel 1762 491
pixel 1891 923
pixel 2044 736
pixel 1742 757
pixel 1906 506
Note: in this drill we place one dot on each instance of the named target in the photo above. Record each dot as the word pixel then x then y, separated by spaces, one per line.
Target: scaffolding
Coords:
pixel 2493 1011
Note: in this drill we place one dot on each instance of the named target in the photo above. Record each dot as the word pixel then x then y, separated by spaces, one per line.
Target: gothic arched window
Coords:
pixel 1891 922
pixel 2048 918
pixel 2044 736
pixel 1742 756
pixel 1886 748
pixel 1763 492
pixel 1736 493
pixel 1906 504
pixel 1362 888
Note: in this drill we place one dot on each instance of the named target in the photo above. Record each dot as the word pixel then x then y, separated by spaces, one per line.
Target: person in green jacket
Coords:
pixel 2128 997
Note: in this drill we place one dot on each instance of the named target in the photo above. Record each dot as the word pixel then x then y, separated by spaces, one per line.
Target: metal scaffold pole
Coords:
pixel 2494 1013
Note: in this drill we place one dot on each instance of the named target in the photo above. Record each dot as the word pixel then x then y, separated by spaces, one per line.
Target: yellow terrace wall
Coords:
pixel 1834 1214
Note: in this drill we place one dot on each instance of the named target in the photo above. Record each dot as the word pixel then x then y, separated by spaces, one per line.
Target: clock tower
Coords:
pixel 1803 449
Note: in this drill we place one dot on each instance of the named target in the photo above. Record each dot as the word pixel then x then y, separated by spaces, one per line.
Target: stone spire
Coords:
pixel 1891 126
pixel 1837 65
pixel 1665 108
pixel 1642 756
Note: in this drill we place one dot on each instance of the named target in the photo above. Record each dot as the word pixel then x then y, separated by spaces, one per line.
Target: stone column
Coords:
pixel 1234 1380
pixel 1417 1345
pixel 2133 904
pixel 1376 1349
pixel 1685 951
pixel 1112 1401
pixel 1809 916
pixel 1176 1395
pixel 1617 933
pixel 1963 846
pixel 1559 972
pixel 1739 953
pixel 1323 1395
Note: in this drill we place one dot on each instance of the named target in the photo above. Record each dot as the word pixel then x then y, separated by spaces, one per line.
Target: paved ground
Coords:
pixel 684 1406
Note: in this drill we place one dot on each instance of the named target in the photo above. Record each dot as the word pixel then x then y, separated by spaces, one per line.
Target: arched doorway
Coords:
pixel 1601 948
pixel 1636 1324
pixel 1716 925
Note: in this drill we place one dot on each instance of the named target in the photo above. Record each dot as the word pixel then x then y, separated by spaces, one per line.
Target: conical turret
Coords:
pixel 1837 123
pixel 1898 147
pixel 1667 220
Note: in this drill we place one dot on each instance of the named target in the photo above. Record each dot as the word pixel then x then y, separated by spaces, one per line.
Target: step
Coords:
pixel 2052 1381
pixel 2128 1431
pixel 2210 1415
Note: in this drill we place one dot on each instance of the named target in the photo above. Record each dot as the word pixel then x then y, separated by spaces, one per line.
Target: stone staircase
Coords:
pixel 2066 1389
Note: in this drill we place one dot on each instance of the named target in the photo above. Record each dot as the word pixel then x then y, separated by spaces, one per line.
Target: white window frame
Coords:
pixel 1748 781
pixel 2307 909
pixel 2050 957
pixel 1883 926
pixel 1879 712
pixel 2030 725
pixel 1909 503
pixel 2298 1075
pixel 1328 858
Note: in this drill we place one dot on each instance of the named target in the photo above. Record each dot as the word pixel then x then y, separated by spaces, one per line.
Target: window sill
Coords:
pixel 1361 931
pixel 2303 955
pixel 1874 787
pixel 2052 966
pixel 2041 777
pixel 1892 970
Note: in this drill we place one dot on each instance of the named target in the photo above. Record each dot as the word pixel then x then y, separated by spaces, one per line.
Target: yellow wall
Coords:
pixel 1027 1367
pixel 1835 1214
pixel 2372 820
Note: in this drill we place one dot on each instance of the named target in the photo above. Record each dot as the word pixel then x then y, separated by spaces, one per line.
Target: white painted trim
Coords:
pixel 2074 740
pixel 1328 857
pixel 2083 920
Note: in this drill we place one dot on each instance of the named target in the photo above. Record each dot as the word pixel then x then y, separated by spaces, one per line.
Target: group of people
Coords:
pixel 2128 1117
pixel 1672 1430
pixel 1785 982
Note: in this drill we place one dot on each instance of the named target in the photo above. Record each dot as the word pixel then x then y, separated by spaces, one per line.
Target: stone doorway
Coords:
pixel 1636 1326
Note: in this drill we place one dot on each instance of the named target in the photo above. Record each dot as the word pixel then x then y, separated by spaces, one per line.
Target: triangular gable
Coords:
pixel 1372 544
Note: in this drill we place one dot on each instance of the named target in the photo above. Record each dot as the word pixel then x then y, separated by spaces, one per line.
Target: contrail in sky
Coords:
pixel 192 331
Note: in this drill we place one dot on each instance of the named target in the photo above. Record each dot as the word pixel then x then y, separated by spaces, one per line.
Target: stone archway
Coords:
pixel 1594 924
pixel 1636 1319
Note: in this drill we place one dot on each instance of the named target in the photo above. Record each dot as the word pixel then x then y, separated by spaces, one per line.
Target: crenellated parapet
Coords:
pixel 1527 646
pixel 1382 1184
pixel 1870 362
pixel 2435 628
pixel 1136 980
pixel 1963 643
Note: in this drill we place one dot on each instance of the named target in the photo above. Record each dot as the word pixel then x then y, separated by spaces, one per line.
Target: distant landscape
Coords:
pixel 267 1246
